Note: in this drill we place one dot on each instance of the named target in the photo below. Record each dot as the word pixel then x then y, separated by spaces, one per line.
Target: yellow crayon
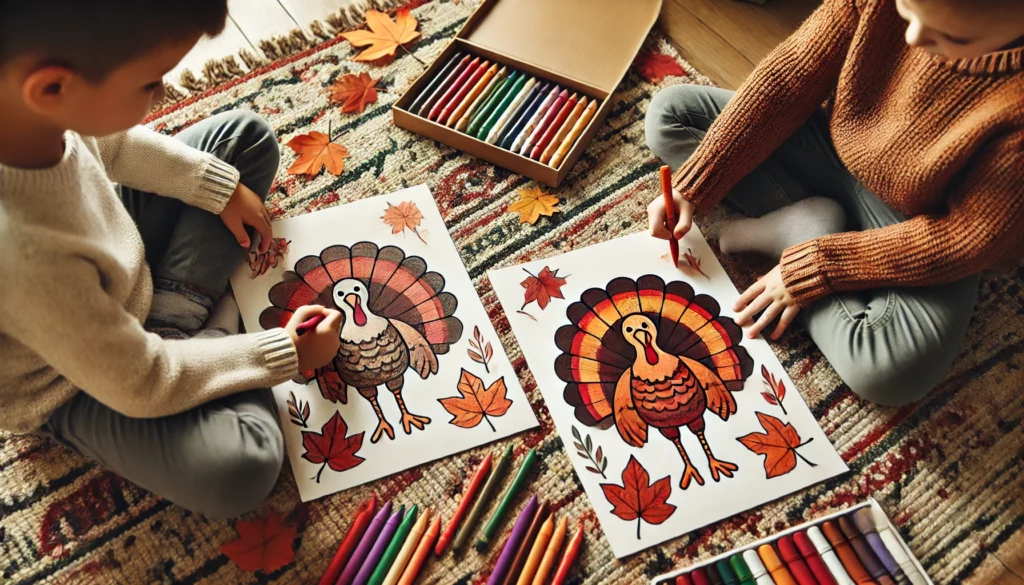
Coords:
pixel 573 134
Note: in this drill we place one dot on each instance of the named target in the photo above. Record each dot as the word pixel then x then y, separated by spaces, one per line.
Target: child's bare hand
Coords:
pixel 659 224
pixel 317 347
pixel 245 208
pixel 768 294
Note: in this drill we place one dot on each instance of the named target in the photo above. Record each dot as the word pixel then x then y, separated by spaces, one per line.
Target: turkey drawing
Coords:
pixel 641 354
pixel 396 317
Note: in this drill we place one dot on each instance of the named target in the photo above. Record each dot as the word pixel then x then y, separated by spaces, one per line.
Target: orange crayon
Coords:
pixel 419 558
pixel 540 545
pixel 467 499
pixel 572 551
pixel 670 213
pixel 551 552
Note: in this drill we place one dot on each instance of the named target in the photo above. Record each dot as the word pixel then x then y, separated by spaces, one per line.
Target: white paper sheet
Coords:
pixel 669 510
pixel 347 225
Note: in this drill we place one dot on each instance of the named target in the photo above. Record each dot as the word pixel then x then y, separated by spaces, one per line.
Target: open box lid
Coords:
pixel 592 41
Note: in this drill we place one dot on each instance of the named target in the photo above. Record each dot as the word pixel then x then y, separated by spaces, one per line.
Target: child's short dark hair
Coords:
pixel 93 37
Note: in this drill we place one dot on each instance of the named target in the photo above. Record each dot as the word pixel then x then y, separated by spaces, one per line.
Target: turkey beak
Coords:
pixel 352 299
pixel 645 340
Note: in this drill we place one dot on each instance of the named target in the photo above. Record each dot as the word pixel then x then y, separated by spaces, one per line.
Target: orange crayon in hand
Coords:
pixel 670 213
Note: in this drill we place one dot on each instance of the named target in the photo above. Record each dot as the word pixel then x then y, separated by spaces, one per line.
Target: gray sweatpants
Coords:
pixel 890 345
pixel 222 458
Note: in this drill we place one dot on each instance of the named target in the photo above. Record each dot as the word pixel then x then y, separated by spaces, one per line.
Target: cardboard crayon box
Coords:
pixel 670 577
pixel 585 46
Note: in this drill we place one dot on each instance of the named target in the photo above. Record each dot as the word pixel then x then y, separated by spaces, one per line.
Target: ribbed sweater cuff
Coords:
pixel 279 353
pixel 218 182
pixel 802 274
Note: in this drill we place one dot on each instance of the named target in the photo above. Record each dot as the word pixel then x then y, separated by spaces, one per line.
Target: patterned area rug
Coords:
pixel 948 470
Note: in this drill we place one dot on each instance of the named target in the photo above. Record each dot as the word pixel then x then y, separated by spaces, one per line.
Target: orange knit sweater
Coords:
pixel 940 140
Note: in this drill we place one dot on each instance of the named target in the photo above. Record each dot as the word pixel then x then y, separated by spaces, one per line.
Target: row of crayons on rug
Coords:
pixel 391 547
pixel 856 549
pixel 506 108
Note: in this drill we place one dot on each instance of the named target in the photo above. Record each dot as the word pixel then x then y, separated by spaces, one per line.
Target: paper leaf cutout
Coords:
pixel 654 67
pixel 476 403
pixel 690 265
pixel 353 92
pixel 261 263
pixel 542 288
pixel 532 204
pixel 298 411
pixel 385 35
pixel 405 216
pixel 638 499
pixel 778 444
pixel 316 151
pixel 585 448
pixel 331 448
pixel 776 389
pixel 263 544
pixel 480 351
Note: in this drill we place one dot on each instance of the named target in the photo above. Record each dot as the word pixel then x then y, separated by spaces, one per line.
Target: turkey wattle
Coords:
pixel 639 353
pixel 396 318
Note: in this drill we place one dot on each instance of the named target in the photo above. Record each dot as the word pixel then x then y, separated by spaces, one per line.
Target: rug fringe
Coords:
pixel 219 71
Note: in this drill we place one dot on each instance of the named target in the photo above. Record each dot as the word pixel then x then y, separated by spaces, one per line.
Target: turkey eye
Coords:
pixel 357 289
pixel 644 325
pixel 629 329
pixel 340 293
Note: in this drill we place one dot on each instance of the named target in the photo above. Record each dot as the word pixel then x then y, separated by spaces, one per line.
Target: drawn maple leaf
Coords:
pixel 353 92
pixel 476 403
pixel 385 35
pixel 776 389
pixel 542 288
pixel 317 150
pixel 261 263
pixel 532 204
pixel 406 216
pixel 654 66
pixel 637 498
pixel 778 444
pixel 263 544
pixel 690 265
pixel 330 447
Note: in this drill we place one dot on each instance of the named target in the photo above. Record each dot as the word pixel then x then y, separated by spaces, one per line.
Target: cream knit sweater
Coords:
pixel 75 288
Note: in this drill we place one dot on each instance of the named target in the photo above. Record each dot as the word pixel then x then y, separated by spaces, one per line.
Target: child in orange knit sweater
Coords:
pixel 881 209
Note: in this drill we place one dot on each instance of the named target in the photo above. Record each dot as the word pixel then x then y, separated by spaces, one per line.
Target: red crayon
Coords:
pixel 684 579
pixel 465 89
pixel 309 324
pixel 571 552
pixel 359 523
pixel 545 122
pixel 789 553
pixel 814 562
pixel 474 65
pixel 554 127
pixel 437 91
pixel 699 577
pixel 467 498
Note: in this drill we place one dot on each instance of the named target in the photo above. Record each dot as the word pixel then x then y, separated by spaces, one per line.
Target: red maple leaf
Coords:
pixel 543 287
pixel 331 447
pixel 778 444
pixel 263 544
pixel 654 66
pixel 638 499
pixel 353 92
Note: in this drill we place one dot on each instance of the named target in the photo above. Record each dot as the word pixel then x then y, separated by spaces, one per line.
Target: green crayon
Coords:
pixel 492 103
pixel 493 119
pixel 384 565
pixel 739 566
pixel 494 523
pixel 483 500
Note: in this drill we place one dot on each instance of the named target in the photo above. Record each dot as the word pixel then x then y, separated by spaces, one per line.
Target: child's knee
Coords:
pixel 894 382
pixel 664 112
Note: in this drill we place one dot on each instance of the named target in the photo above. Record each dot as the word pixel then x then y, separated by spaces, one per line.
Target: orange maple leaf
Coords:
pixel 476 403
pixel 532 204
pixel 385 35
pixel 404 216
pixel 654 66
pixel 637 498
pixel 354 92
pixel 542 288
pixel 263 544
pixel 316 151
pixel 778 444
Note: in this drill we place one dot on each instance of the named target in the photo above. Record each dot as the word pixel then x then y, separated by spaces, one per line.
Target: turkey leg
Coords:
pixel 717 467
pixel 383 427
pixel 689 472
pixel 409 420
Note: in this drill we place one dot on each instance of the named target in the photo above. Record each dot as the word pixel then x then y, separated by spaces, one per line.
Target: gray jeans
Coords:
pixel 222 458
pixel 890 345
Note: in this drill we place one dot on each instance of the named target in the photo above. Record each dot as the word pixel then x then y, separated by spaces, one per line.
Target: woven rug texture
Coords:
pixel 947 470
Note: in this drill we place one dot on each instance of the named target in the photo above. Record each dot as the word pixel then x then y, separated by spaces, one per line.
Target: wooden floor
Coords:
pixel 723 39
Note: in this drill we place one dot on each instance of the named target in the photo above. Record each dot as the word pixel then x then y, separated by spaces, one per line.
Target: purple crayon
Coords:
pixel 512 544
pixel 383 539
pixel 866 524
pixel 355 562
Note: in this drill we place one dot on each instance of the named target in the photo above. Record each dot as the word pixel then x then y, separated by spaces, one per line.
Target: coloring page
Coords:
pixel 420 373
pixel 672 418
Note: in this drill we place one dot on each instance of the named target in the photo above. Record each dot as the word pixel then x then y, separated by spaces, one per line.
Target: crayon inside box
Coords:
pixel 584 47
